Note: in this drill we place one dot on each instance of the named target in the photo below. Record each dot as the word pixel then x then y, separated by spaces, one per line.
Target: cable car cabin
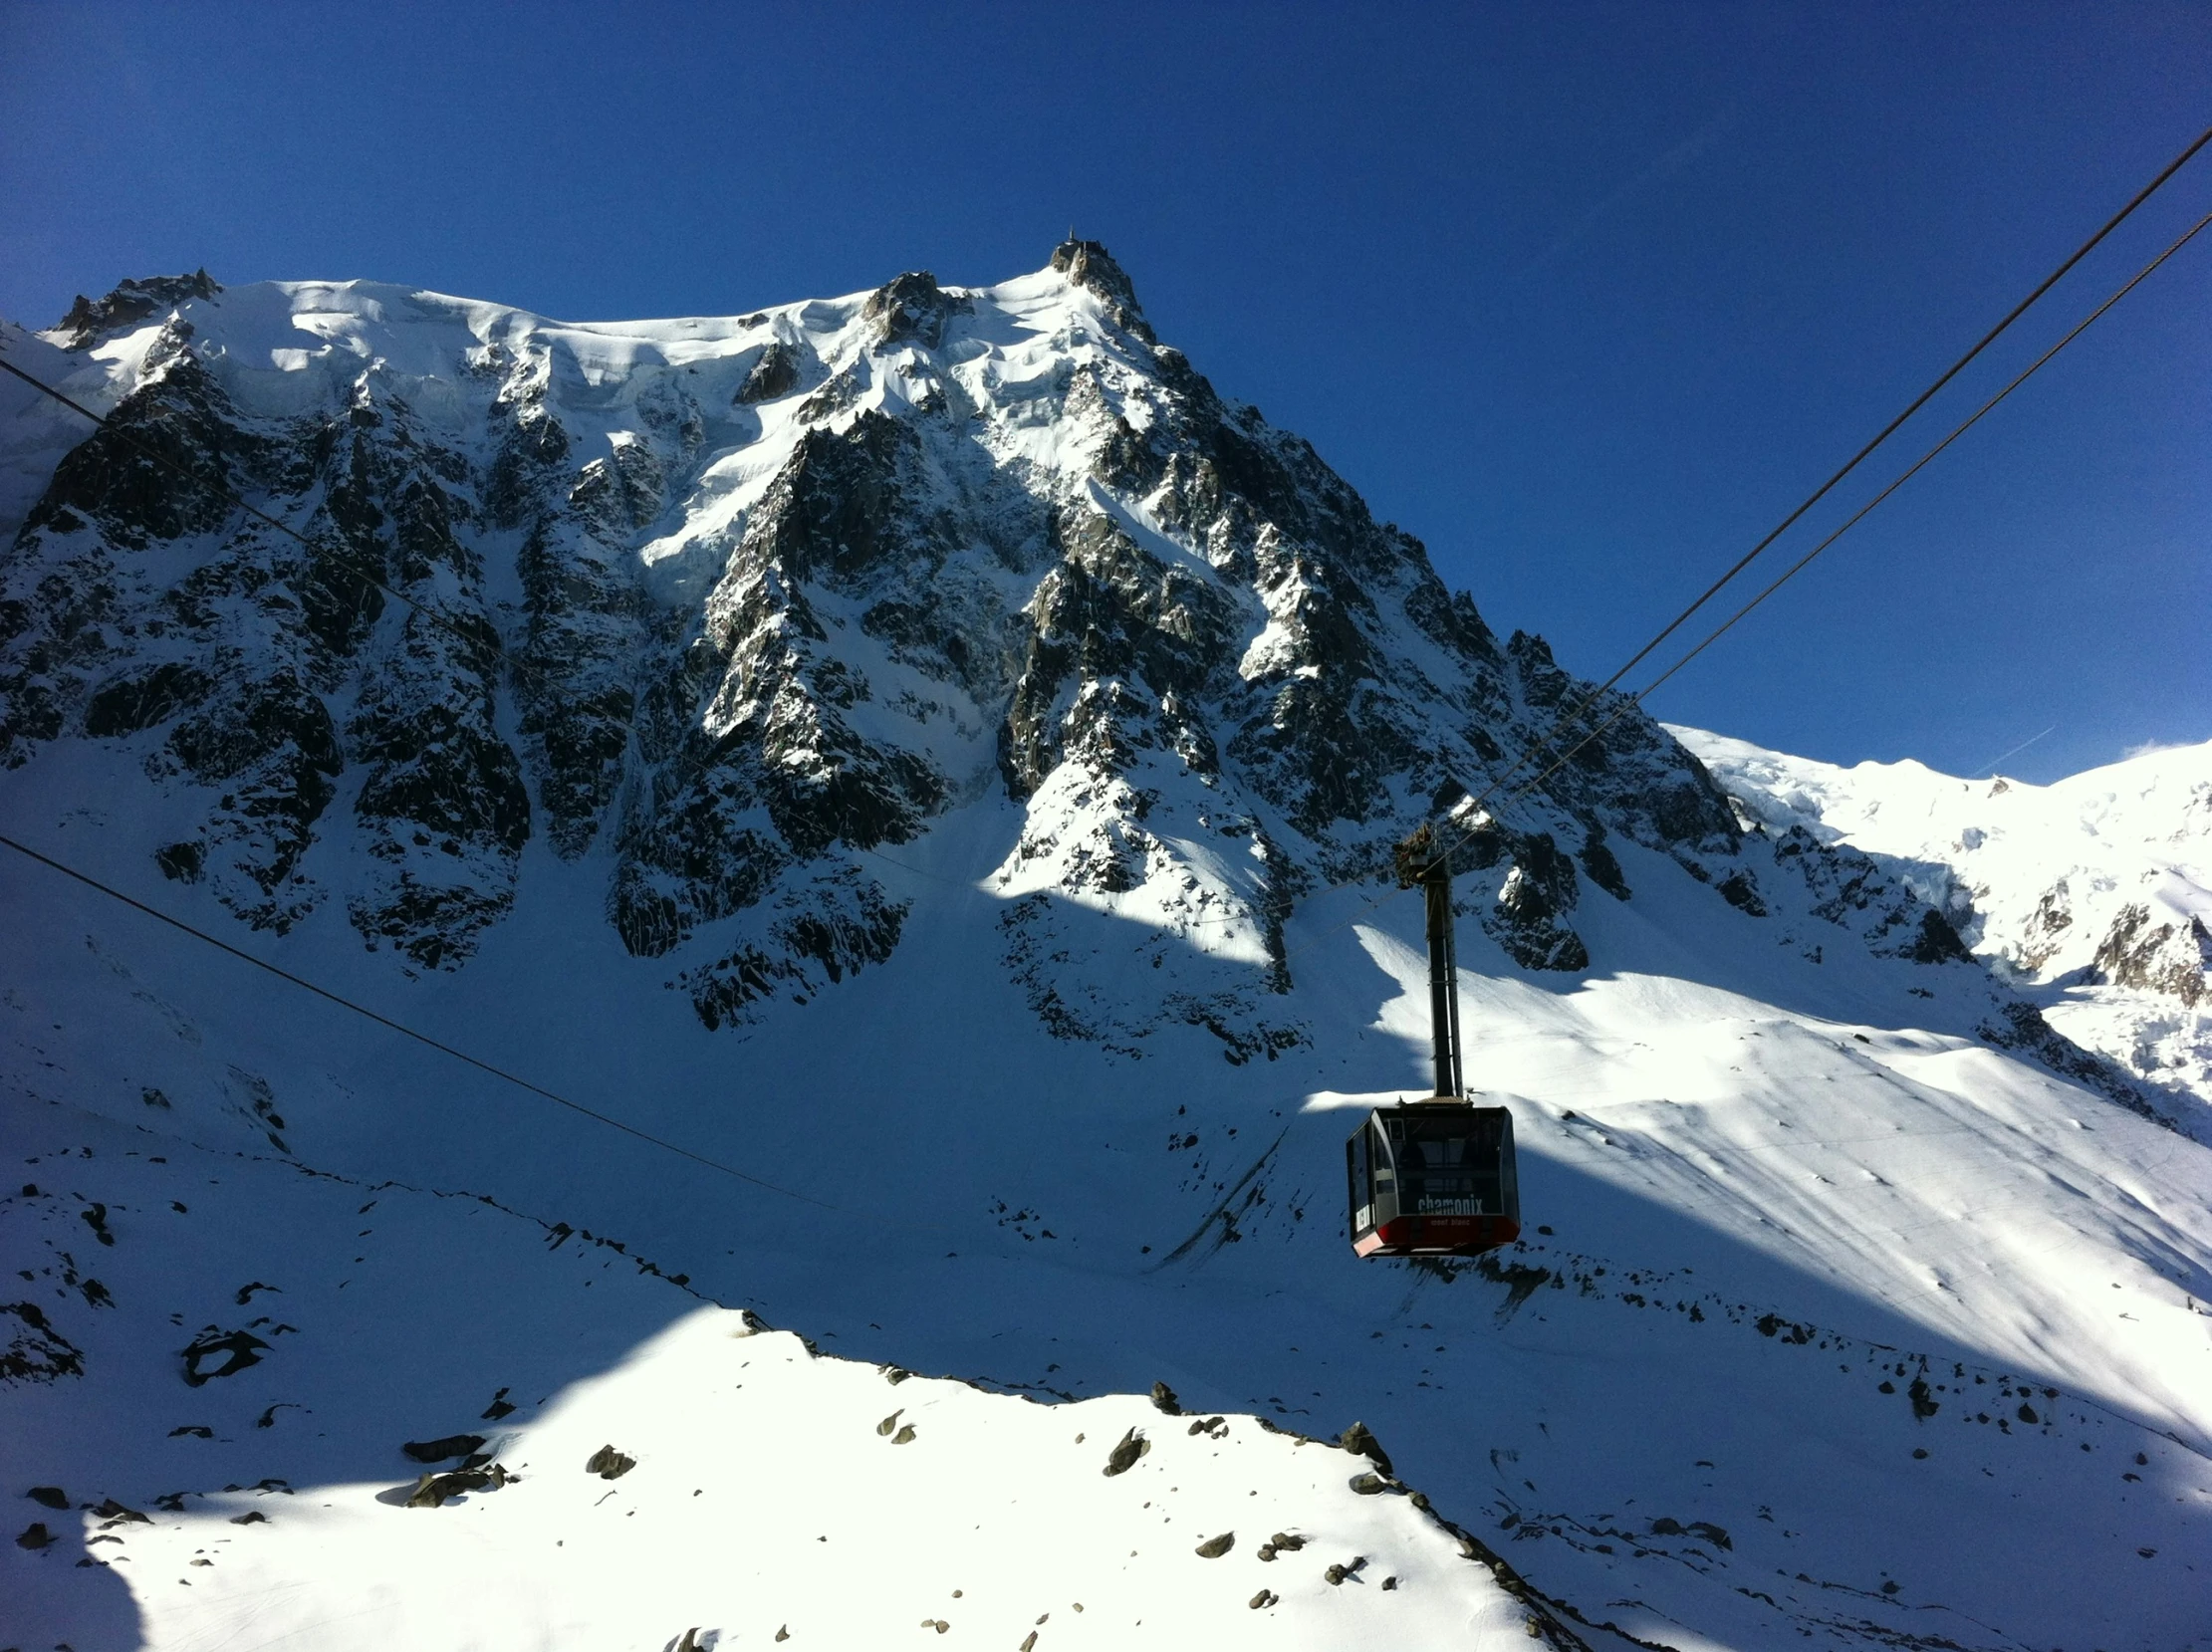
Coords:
pixel 1434 1179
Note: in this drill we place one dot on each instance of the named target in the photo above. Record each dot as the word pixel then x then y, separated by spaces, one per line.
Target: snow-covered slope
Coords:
pixel 2097 888
pixel 929 754
pixel 756 1489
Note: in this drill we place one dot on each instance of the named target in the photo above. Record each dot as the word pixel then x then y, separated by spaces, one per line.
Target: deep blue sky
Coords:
pixel 1586 297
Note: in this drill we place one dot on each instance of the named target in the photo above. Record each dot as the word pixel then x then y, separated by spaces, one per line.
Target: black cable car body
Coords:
pixel 1435 1177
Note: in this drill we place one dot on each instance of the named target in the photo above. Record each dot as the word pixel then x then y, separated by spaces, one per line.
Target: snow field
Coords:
pixel 1783 1197
pixel 772 1489
pixel 2035 877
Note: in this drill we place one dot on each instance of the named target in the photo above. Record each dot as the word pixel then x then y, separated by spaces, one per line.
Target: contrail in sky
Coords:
pixel 2015 752
pixel 1665 165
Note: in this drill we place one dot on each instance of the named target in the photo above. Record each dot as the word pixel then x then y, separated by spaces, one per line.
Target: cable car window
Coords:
pixel 1447 1167
pixel 1362 1190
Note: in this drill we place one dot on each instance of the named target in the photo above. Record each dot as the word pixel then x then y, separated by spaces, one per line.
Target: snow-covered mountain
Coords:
pixel 2097 889
pixel 930 754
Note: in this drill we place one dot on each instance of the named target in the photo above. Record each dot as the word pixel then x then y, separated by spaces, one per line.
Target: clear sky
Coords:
pixel 1586 296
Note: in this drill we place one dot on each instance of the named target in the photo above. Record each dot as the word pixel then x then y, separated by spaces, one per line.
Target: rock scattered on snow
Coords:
pixel 1124 1456
pixel 610 1464
pixel 237 1350
pixel 1358 1440
pixel 437 1451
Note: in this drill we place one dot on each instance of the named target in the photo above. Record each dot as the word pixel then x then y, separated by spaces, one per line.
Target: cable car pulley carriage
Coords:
pixel 1435 1177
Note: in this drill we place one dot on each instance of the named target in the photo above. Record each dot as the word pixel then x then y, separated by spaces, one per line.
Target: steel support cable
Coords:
pixel 1631 702
pixel 1543 742
pixel 402 1028
pixel 2026 373
pixel 1886 433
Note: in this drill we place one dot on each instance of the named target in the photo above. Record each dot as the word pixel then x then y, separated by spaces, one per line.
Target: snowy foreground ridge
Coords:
pixel 931 754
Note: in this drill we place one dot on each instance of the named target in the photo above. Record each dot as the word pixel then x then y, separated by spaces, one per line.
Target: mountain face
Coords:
pixel 722 606
pixel 934 762
pixel 2093 894
pixel 727 603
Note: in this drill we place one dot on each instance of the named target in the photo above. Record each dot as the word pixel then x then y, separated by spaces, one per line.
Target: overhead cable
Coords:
pixel 474 639
pixel 405 1031
pixel 1631 702
pixel 1952 371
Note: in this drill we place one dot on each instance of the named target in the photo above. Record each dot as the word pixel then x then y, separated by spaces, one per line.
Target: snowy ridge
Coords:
pixel 761 1490
pixel 2098 887
pixel 936 760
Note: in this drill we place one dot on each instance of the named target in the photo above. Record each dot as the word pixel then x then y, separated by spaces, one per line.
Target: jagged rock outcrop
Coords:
pixel 2172 957
pixel 91 320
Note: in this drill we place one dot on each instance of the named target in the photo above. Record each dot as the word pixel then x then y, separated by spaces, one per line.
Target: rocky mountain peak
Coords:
pixel 1088 264
pixel 912 308
pixel 712 612
pixel 90 320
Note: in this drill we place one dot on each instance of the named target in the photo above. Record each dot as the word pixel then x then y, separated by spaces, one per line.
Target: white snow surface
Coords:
pixel 1834 1325
pixel 2035 877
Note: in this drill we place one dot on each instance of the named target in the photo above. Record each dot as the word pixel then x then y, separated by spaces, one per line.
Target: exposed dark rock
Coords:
pixel 51 1496
pixel 1937 942
pixel 1089 264
pixel 434 1489
pixel 1214 1548
pixel 181 862
pixel 141 700
pixel 1600 866
pixel 609 1464
pixel 1527 917
pixel 1741 890
pixel 2162 958
pixel 89 320
pixel 1360 1441
pixel 235 1350
pixel 437 1451
pixel 775 375
pixel 34 1535
pixel 912 308
pixel 1163 1400
pixel 1125 1455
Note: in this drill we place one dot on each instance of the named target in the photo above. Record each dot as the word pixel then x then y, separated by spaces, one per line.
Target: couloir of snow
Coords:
pixel 1834 1323
pixel 2037 877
